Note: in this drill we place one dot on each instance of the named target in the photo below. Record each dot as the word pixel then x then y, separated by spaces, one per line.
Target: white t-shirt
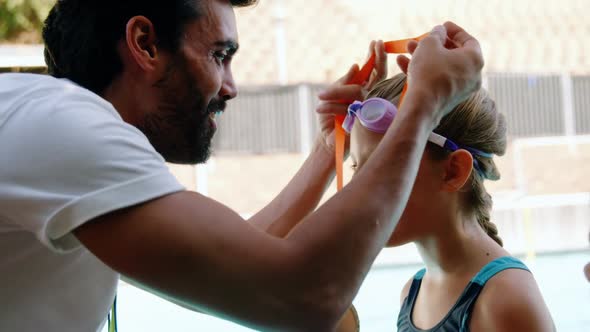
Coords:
pixel 66 156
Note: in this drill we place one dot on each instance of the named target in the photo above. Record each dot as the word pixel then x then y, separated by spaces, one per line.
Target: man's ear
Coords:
pixel 458 168
pixel 140 38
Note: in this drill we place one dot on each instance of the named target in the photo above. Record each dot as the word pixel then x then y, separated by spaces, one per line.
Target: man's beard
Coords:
pixel 181 129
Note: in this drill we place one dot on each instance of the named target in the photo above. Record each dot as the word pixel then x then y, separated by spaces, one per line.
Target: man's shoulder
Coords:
pixel 44 111
pixel 33 95
pixel 19 87
pixel 26 81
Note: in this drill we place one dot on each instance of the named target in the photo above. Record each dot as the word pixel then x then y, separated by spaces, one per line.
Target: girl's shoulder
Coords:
pixel 511 301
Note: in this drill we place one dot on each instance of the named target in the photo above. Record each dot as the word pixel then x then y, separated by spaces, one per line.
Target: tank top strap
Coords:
pixel 496 266
pixel 420 274
pixel 415 288
pixel 404 318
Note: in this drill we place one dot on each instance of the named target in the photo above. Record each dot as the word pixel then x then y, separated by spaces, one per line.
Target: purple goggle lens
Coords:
pixel 375 114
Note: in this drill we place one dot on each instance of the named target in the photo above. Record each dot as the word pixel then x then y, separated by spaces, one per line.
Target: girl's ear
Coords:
pixel 457 169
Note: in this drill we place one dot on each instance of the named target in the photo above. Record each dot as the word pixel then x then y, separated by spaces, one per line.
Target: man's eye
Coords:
pixel 354 167
pixel 220 56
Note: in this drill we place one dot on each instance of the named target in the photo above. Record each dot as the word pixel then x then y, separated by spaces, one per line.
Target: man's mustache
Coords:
pixel 216 105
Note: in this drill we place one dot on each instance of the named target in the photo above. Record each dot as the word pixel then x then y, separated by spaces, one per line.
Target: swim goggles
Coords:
pixel 391 47
pixel 377 114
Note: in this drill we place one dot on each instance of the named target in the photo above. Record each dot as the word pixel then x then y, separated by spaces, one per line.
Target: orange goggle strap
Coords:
pixel 391 47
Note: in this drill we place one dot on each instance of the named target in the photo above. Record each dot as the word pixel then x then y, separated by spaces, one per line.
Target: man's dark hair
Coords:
pixel 81 36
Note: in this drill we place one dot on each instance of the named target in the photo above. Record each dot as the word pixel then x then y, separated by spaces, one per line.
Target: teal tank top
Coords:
pixel 457 319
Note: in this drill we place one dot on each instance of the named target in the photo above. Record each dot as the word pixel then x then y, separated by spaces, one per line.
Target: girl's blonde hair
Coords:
pixel 474 123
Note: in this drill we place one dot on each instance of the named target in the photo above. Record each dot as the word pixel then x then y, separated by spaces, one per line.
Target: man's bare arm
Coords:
pixel 196 251
pixel 300 197
pixel 303 193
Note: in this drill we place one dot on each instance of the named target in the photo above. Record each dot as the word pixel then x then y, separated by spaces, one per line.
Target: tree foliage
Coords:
pixel 23 17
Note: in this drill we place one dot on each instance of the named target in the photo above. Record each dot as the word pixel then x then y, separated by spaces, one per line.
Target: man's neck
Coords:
pixel 122 96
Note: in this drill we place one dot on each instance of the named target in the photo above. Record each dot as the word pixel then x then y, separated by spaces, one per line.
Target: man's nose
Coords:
pixel 229 90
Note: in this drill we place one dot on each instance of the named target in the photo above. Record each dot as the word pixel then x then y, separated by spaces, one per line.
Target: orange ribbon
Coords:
pixel 391 47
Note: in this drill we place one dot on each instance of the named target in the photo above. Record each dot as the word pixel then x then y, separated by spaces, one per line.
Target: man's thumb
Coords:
pixel 439 34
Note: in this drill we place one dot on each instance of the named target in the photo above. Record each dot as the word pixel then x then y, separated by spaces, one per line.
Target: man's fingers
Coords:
pixel 343 93
pixel 438 34
pixel 371 50
pixel 476 57
pixel 332 108
pixel 380 61
pixel 456 32
pixel 465 42
pixel 412 45
pixel 435 40
pixel 450 44
pixel 459 36
pixel 379 72
pixel 403 62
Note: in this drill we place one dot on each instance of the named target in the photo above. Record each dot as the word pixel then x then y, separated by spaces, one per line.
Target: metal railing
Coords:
pixel 282 118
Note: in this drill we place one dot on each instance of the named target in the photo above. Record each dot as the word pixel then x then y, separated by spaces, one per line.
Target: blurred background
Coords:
pixel 537 55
